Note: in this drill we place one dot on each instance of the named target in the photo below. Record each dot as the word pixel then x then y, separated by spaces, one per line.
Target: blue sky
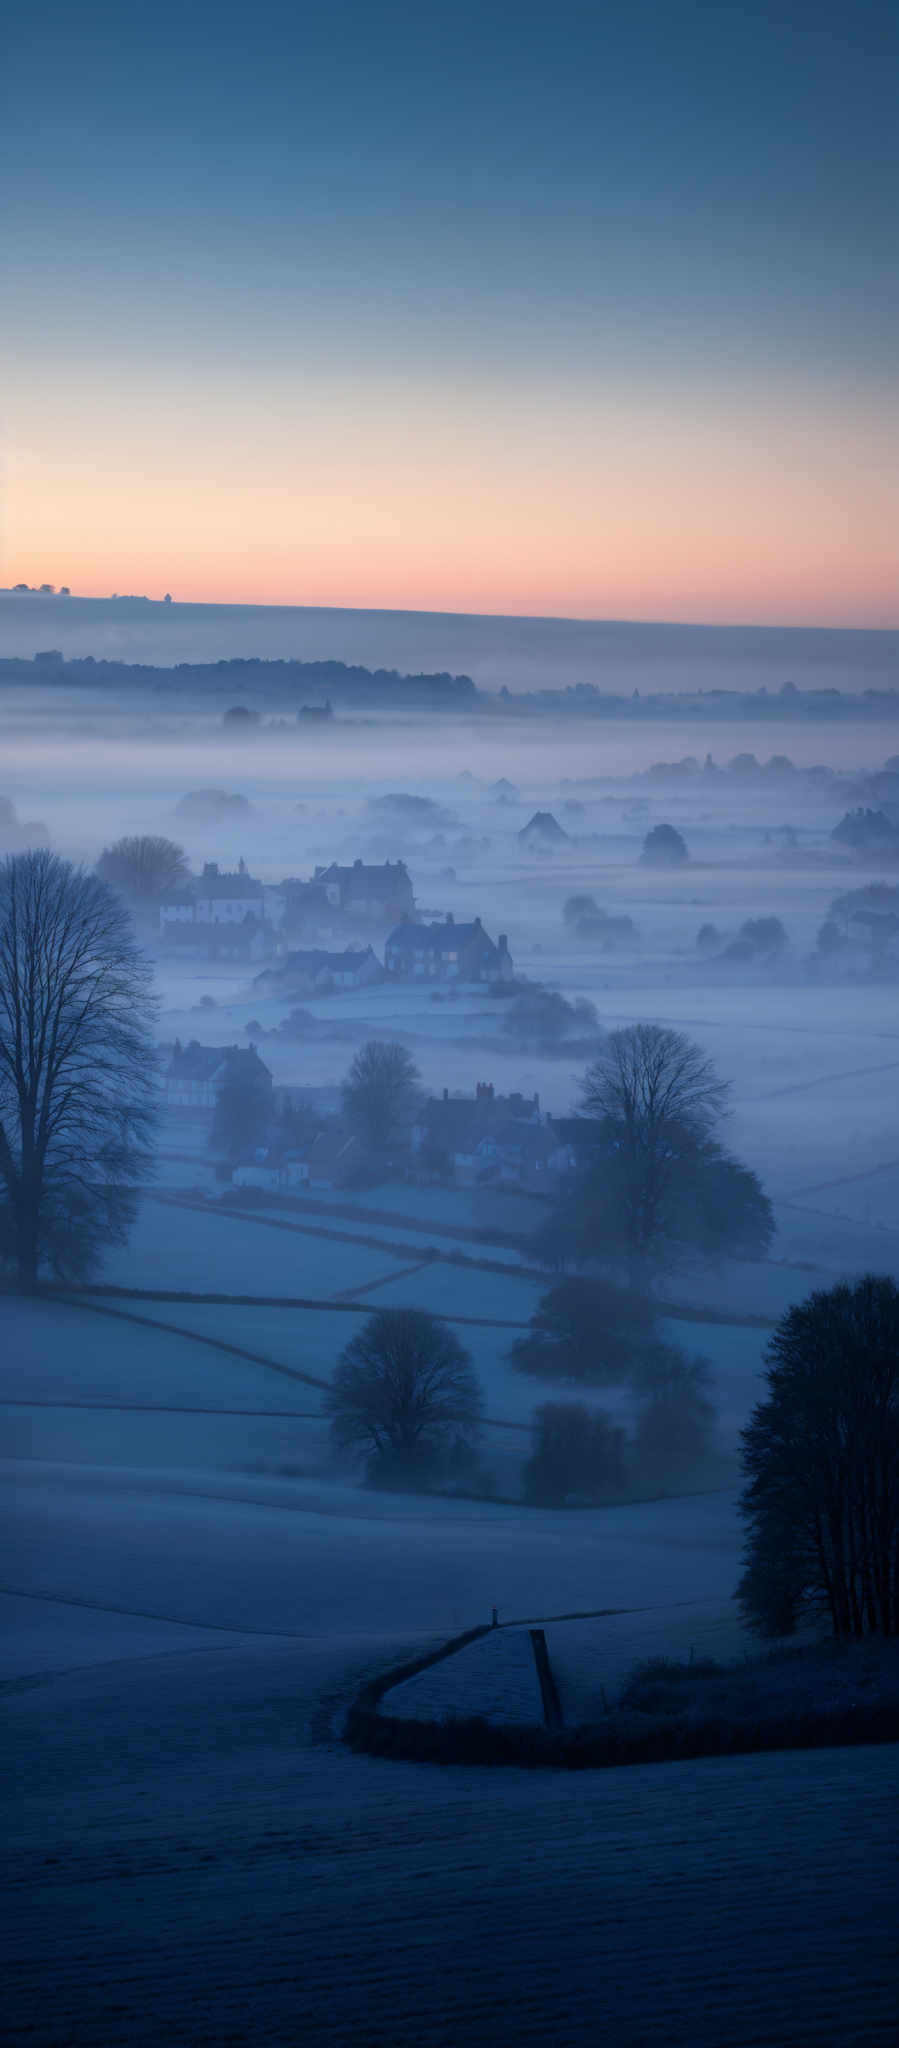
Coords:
pixel 569 202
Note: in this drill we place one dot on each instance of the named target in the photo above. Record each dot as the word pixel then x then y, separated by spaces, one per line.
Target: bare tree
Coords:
pixel 379 1091
pixel 143 868
pixel 77 1066
pixel 658 1176
pixel 404 1394
pixel 821 1461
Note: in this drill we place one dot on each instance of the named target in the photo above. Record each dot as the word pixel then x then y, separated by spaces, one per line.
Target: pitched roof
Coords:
pixel 364 880
pixel 196 1062
pixel 439 938
pixel 233 887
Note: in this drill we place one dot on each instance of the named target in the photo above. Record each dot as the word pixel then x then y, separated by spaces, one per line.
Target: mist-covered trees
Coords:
pixel 144 868
pixel 586 1330
pixel 545 1019
pixel 586 1333
pixel 664 847
pixel 675 1420
pixel 821 1462
pixel 657 1178
pixel 77 1067
pixel 404 1396
pixel 379 1092
pixel 585 918
pixel 577 1456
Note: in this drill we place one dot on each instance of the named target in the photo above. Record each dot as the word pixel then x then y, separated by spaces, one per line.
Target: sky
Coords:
pixel 582 310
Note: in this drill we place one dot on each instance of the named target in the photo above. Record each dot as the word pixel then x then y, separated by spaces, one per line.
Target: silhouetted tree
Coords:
pixel 673 1436
pixel 576 907
pixel 664 847
pixel 77 1066
pixel 542 1016
pixel 821 1461
pixel 379 1092
pixel 144 868
pixel 404 1394
pixel 586 1330
pixel 656 1177
pixel 578 1455
pixel 764 935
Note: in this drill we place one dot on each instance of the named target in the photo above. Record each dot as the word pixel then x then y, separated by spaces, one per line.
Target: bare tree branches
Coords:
pixel 403 1394
pixel 77 1065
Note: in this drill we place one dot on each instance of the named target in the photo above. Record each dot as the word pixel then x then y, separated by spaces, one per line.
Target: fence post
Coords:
pixel 552 1705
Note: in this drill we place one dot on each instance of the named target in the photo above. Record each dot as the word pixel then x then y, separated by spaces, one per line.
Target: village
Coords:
pixel 279 1137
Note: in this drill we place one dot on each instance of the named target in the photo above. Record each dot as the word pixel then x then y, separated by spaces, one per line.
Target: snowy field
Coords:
pixel 192 1591
pixel 191 1859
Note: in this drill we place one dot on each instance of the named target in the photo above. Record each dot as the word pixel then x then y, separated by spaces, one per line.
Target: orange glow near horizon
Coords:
pixel 779 510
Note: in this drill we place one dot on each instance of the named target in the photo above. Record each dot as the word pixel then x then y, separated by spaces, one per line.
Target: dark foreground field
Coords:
pixel 192 1856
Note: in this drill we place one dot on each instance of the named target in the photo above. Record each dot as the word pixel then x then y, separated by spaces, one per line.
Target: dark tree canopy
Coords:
pixel 673 1436
pixel 821 1463
pixel 578 1456
pixel 379 1092
pixel 143 868
pixel 586 1330
pixel 657 1178
pixel 404 1395
pixel 77 1066
pixel 664 847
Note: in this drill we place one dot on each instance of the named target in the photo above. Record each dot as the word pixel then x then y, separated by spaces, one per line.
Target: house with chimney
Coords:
pixel 226 916
pixel 484 1140
pixel 196 1074
pixel 364 894
pixel 447 952
pixel 314 971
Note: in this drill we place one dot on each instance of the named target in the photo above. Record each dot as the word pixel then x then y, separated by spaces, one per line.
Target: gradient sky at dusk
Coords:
pixel 571 309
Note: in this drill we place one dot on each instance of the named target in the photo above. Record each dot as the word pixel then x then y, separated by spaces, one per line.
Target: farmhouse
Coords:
pixel 222 916
pixel 447 952
pixel 373 895
pixel 485 1139
pixel 196 1073
pixel 316 972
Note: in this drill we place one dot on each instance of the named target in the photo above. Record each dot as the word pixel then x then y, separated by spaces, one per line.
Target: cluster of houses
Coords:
pixel 471 1141
pixel 236 917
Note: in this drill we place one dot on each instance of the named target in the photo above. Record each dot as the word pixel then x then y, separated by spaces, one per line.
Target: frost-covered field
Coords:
pixel 192 1590
pixel 189 1858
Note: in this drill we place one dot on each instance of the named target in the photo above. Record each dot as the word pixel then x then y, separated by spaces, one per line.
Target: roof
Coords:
pixel 196 1062
pixel 212 883
pixel 362 880
pixel 543 826
pixel 439 938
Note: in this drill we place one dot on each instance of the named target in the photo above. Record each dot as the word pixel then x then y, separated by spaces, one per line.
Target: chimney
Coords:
pixel 446 1095
pixel 503 942
pixel 450 918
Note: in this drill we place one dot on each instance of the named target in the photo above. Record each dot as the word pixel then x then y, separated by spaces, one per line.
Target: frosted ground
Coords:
pixel 193 1591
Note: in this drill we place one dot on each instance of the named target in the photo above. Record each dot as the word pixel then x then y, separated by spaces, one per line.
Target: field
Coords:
pixel 195 1587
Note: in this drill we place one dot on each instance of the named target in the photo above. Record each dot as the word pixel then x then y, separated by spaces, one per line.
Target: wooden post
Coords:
pixel 552 1705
